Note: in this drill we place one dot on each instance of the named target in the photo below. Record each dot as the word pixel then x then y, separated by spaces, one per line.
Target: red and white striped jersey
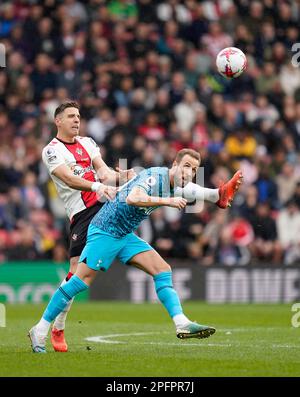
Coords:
pixel 78 156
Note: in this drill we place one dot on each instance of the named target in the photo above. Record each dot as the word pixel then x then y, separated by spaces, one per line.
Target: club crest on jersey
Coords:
pixel 151 181
pixel 79 151
pixel 74 236
pixel 99 263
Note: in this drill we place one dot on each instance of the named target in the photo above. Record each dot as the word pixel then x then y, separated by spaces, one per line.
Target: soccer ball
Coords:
pixel 231 62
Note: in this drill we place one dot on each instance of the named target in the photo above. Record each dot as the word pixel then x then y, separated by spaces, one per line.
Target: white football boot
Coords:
pixel 38 342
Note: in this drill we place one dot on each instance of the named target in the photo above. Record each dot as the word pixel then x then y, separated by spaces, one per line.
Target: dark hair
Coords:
pixel 190 152
pixel 65 105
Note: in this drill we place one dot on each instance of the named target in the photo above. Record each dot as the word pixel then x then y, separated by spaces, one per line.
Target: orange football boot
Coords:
pixel 58 340
pixel 229 189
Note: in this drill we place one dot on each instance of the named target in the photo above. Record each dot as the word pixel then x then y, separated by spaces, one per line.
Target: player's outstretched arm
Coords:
pixel 64 173
pixel 110 176
pixel 139 198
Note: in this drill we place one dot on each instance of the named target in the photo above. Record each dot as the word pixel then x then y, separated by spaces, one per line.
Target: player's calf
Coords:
pixel 56 305
pixel 170 299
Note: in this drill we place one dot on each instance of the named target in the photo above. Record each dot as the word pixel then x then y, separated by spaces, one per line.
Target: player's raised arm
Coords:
pixel 139 198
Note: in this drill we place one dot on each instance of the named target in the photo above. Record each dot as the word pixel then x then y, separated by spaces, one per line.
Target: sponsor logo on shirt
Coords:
pixel 80 171
pixel 51 159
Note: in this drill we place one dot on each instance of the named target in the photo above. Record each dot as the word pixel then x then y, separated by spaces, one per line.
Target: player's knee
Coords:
pixel 86 274
pixel 74 264
pixel 86 278
pixel 162 267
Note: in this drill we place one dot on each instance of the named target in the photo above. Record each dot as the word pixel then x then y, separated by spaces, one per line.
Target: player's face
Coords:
pixel 68 122
pixel 186 170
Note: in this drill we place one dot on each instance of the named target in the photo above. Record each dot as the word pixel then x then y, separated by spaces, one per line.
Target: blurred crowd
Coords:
pixel 144 74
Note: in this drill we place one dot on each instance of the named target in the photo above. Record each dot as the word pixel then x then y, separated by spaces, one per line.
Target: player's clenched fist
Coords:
pixel 107 191
pixel 178 202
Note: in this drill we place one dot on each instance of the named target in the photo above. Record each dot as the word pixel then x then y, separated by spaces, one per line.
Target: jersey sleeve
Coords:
pixel 93 148
pixel 150 183
pixel 52 158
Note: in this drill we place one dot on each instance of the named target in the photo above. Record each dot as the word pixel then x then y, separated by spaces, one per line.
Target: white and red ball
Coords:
pixel 231 62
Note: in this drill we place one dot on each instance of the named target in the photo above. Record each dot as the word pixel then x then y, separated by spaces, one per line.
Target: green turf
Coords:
pixel 251 340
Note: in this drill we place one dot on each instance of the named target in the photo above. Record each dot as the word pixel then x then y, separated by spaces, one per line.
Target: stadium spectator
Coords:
pixel 42 76
pixel 288 223
pixel 296 196
pixel 69 78
pixel 209 236
pixel 215 40
pixel 286 182
pixel 151 130
pixel 228 252
pixel 266 187
pixel 185 111
pixel 266 245
pixel 98 126
pixel 123 10
pixel 173 10
pixel 144 75
pixel 240 144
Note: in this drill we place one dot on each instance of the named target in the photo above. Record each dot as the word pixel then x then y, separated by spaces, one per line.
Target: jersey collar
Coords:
pixel 66 143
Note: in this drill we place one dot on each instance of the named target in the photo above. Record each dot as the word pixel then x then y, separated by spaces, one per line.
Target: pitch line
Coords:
pixel 109 339
pixel 102 338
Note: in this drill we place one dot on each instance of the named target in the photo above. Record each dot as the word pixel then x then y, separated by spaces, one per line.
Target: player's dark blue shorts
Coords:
pixel 102 248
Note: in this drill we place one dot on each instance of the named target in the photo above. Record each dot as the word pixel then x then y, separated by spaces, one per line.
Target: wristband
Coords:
pixel 95 186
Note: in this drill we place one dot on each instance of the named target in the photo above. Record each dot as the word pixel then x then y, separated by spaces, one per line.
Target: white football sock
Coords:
pixel 211 195
pixel 192 192
pixel 43 327
pixel 60 321
pixel 180 320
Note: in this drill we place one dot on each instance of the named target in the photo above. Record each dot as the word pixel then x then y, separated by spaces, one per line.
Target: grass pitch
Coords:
pixel 139 340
